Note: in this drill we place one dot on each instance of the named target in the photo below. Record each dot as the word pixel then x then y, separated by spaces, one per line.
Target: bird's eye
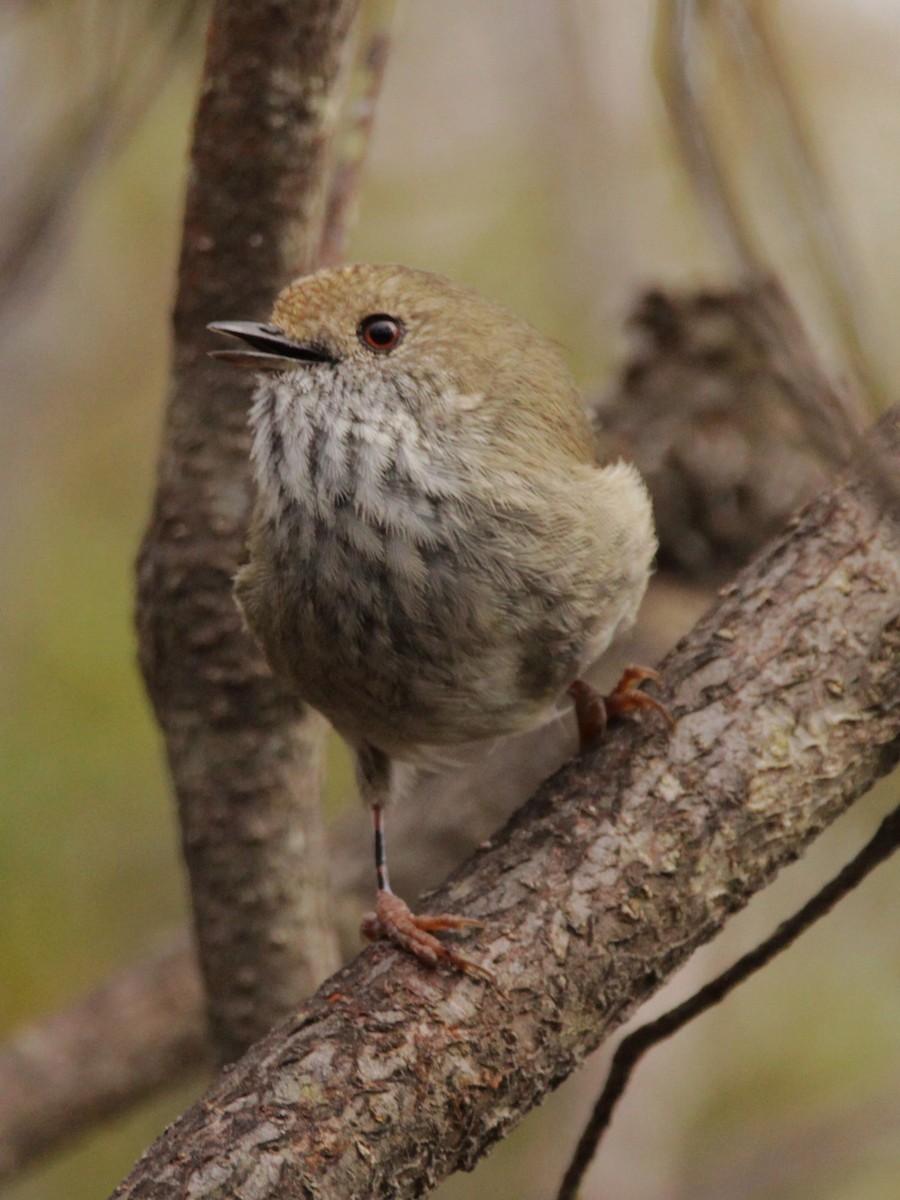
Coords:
pixel 380 332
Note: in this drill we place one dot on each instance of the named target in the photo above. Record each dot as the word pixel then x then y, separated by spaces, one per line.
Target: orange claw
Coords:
pixel 394 921
pixel 594 711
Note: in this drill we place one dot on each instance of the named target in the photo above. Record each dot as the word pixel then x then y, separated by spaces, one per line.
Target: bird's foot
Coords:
pixel 394 921
pixel 594 712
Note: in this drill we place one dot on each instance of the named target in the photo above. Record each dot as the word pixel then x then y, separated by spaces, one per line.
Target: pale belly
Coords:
pixel 424 647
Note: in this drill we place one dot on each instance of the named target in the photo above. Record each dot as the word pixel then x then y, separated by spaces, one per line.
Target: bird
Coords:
pixel 434 556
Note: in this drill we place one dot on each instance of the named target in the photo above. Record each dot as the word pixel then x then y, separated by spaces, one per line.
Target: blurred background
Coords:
pixel 521 147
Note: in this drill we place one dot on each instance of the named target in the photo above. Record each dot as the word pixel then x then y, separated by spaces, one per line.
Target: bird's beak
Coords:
pixel 269 348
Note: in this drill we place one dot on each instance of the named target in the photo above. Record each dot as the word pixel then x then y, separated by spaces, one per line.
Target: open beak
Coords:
pixel 269 348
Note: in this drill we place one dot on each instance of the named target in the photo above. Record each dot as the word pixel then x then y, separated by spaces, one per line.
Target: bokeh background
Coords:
pixel 520 147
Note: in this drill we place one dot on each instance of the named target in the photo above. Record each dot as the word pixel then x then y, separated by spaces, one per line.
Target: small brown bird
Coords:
pixel 434 556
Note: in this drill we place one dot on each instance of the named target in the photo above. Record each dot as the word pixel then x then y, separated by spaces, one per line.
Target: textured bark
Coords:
pixel 245 760
pixel 142 1028
pixel 703 378
pixel 787 700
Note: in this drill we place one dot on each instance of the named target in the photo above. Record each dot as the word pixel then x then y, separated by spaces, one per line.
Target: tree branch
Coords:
pixel 141 1028
pixel 245 761
pixel 733 497
pixel 632 1049
pixel 787 699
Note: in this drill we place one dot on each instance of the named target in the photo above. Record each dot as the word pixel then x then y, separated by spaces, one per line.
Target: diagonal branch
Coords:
pixel 764 460
pixel 787 699
pixel 85 1063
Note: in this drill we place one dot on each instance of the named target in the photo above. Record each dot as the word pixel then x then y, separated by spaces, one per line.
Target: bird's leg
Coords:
pixel 593 711
pixel 393 919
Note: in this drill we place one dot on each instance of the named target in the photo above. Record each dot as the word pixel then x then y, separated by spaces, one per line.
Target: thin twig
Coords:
pixel 785 141
pixel 354 140
pixel 838 422
pixel 87 133
pixel 632 1048
pixel 675 59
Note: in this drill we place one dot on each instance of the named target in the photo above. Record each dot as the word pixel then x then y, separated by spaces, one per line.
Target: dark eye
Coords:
pixel 380 332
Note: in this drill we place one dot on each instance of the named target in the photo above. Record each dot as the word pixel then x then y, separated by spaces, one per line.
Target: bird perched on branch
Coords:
pixel 434 557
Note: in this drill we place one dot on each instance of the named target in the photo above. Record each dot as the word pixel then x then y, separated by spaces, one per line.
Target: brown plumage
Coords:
pixel 434 557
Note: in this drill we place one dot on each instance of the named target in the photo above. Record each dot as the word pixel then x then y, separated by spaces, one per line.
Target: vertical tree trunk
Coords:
pixel 246 761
